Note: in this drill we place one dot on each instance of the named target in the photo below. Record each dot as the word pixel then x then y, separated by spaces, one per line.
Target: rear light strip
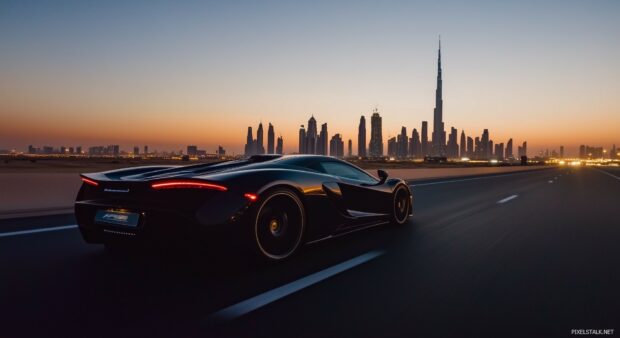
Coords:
pixel 90 182
pixel 187 185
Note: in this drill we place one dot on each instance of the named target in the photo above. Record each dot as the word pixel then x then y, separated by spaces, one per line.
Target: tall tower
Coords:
pixel 321 144
pixel 361 138
pixel 439 134
pixel 375 148
pixel 260 148
pixel 270 140
pixel 302 140
pixel 311 136
pixel 249 143
pixel 424 141
pixel 463 145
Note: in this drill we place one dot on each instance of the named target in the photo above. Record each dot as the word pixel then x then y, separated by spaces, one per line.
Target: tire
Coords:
pixel 401 207
pixel 278 225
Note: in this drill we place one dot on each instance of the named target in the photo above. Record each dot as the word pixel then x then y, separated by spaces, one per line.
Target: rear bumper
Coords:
pixel 154 226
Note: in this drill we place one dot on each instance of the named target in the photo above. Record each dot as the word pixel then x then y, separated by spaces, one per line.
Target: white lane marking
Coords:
pixel 473 178
pixel 609 174
pixel 509 198
pixel 34 231
pixel 256 302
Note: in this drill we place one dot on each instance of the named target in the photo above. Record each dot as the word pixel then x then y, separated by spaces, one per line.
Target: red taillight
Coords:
pixel 251 197
pixel 187 185
pixel 90 182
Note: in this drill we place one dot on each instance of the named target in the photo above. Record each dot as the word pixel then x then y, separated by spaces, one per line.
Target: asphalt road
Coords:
pixel 528 254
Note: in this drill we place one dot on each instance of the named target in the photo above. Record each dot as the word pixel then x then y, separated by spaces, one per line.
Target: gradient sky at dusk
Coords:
pixel 172 73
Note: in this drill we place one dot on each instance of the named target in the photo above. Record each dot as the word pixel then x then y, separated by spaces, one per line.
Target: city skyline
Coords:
pixel 551 82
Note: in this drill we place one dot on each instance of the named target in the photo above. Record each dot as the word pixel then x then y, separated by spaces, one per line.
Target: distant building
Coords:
pixel 260 148
pixel 439 133
pixel 402 144
pixel 302 140
pixel 509 154
pixel 250 148
pixel 485 152
pixel 350 149
pixel 336 146
pixel 424 140
pixel 415 148
pixel 452 148
pixel 561 151
pixel 78 149
pixel 361 138
pixel 146 150
pixel 462 145
pixel 470 146
pixel 321 144
pixel 192 151
pixel 280 146
pixel 136 150
pixel 376 138
pixel 221 152
pixel 270 140
pixel 392 147
pixel 311 136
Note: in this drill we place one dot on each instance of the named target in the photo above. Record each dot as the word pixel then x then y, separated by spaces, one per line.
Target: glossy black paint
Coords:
pixel 333 204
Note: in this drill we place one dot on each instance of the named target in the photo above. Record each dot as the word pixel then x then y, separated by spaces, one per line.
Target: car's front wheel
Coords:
pixel 402 205
pixel 279 224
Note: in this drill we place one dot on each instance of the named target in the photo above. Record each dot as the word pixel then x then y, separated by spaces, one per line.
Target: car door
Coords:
pixel 361 194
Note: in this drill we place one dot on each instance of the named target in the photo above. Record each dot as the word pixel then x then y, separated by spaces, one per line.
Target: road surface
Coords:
pixel 527 254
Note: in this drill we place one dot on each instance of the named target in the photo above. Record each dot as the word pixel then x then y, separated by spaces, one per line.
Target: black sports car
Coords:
pixel 271 203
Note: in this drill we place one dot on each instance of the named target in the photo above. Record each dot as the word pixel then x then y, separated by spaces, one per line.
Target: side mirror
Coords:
pixel 383 175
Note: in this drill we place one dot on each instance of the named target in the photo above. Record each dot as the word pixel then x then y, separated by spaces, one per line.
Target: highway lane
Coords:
pixel 511 255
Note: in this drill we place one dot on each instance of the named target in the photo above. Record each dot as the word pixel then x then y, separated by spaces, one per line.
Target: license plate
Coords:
pixel 117 217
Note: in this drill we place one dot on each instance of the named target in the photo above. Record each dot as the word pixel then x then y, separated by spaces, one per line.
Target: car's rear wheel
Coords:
pixel 279 224
pixel 402 205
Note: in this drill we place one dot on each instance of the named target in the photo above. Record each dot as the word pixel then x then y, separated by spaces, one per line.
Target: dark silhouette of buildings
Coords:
pixel 375 147
pixel 280 146
pixel 192 151
pixel 311 136
pixel 509 154
pixel 470 146
pixel 302 140
pixel 392 147
pixel 270 140
pixel 452 149
pixel 361 138
pixel 402 144
pixel 439 134
pixel 424 141
pixel 522 150
pixel 415 148
pixel 260 148
pixel 350 149
pixel 336 145
pixel 463 144
pixel 561 151
pixel 321 144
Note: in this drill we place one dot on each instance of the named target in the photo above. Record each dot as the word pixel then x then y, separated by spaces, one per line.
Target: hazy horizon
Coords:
pixel 169 74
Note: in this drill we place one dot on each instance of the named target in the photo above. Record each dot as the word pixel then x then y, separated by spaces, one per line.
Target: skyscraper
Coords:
pixel 392 147
pixel 270 140
pixel 463 145
pixel 311 136
pixel 484 145
pixel 424 141
pixel 562 152
pixel 439 134
pixel 280 146
pixel 249 143
pixel 336 146
pixel 302 140
pixel 350 150
pixel 361 138
pixel 509 154
pixel 260 148
pixel 415 146
pixel 321 144
pixel 452 150
pixel 470 146
pixel 403 144
pixel 375 147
